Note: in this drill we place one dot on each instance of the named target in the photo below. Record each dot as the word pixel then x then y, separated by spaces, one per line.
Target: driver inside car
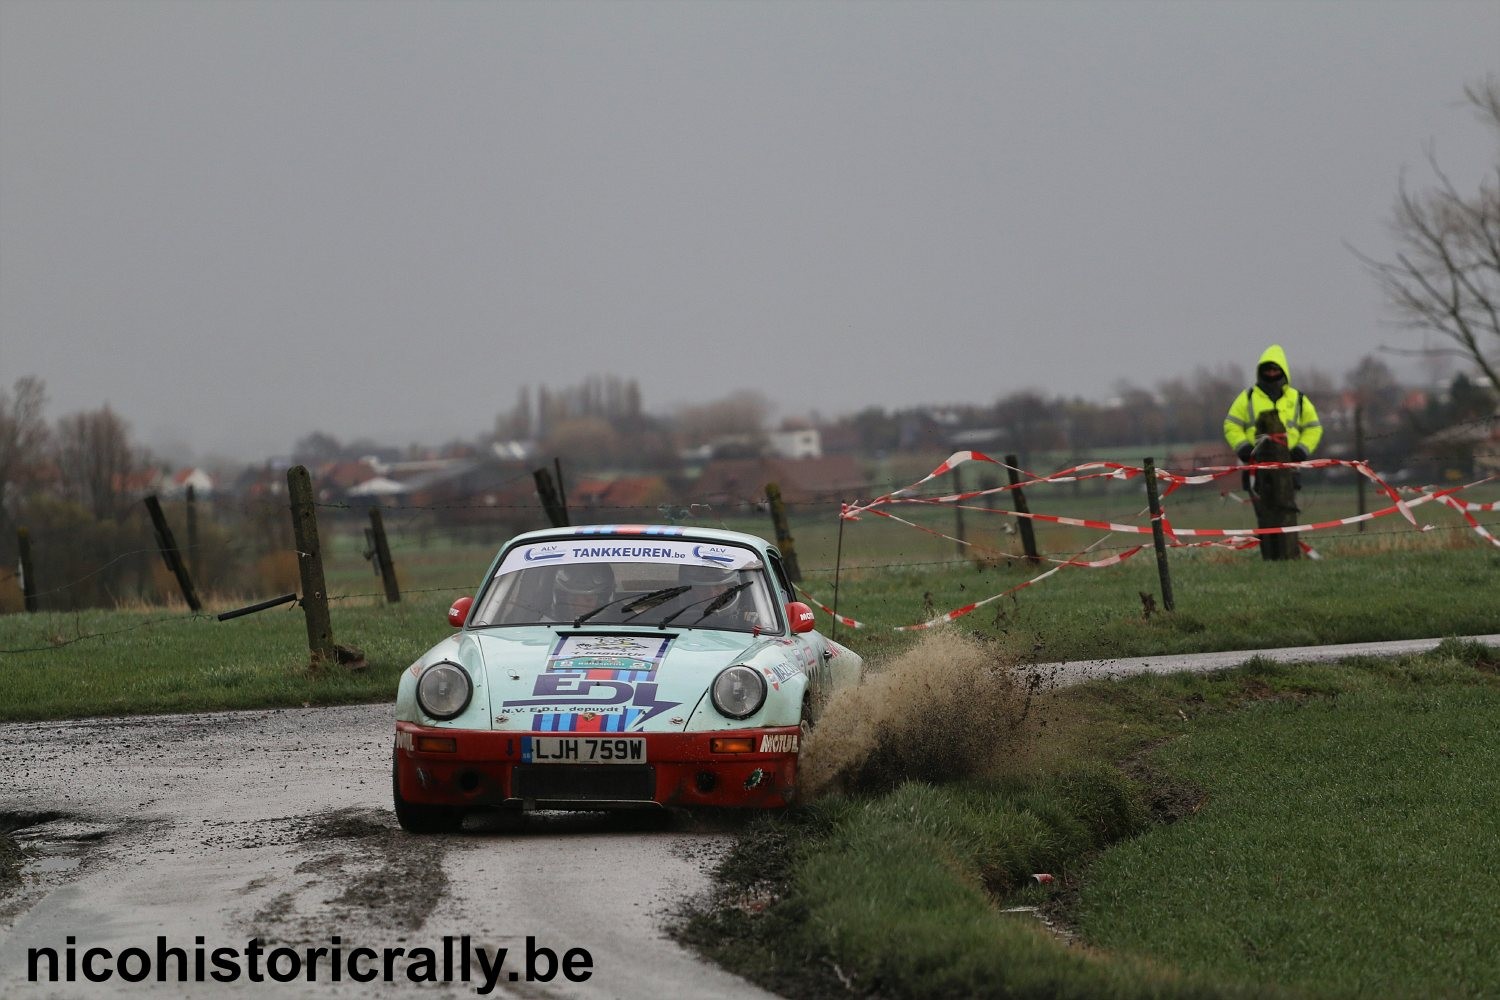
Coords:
pixel 711 585
pixel 579 589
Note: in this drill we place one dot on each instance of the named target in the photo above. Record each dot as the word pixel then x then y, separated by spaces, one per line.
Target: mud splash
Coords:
pixel 949 707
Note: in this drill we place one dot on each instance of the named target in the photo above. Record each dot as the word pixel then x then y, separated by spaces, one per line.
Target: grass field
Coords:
pixel 1276 830
pixel 163 659
pixel 1345 846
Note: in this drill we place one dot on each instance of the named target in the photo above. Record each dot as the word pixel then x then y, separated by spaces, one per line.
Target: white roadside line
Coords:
pixel 1078 671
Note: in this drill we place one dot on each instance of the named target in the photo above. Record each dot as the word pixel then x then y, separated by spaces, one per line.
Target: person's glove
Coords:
pixel 1300 454
pixel 1245 451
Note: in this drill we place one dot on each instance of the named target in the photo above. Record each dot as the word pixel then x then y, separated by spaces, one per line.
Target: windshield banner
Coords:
pixel 634 550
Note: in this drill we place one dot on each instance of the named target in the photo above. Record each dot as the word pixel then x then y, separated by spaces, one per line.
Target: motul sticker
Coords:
pixel 404 740
pixel 779 743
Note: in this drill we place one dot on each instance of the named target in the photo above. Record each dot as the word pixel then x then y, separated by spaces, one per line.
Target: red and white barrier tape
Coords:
pixel 852 512
pixel 841 619
pixel 1236 538
pixel 1173 532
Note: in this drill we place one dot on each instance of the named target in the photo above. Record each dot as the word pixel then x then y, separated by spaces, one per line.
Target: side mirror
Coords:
pixel 801 617
pixel 460 611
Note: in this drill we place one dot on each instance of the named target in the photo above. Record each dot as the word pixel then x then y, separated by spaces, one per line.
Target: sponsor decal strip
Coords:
pixel 559 552
pixel 628 529
pixel 597 684
pixel 779 742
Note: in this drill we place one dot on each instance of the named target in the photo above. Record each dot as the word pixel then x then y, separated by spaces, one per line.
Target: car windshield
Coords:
pixel 604 582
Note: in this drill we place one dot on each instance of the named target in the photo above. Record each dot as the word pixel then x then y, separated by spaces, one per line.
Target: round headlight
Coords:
pixel 738 692
pixel 444 690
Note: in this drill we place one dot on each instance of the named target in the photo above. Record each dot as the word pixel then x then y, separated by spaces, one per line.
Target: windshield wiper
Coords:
pixel 714 604
pixel 722 601
pixel 655 599
pixel 637 604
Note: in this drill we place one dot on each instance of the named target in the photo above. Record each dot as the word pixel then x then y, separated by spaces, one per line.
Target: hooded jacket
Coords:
pixel 1296 410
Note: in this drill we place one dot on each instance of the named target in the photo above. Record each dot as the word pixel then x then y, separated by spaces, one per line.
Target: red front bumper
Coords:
pixel 488 769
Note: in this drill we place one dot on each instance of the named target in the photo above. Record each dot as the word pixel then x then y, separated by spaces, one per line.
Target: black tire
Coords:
pixel 804 727
pixel 417 818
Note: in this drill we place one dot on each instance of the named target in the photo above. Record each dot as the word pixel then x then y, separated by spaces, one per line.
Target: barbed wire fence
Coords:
pixel 256 530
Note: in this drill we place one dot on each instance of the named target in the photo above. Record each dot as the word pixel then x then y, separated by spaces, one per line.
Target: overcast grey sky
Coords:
pixel 241 222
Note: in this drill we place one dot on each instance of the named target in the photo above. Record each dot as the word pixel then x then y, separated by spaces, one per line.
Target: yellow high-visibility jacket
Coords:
pixel 1297 411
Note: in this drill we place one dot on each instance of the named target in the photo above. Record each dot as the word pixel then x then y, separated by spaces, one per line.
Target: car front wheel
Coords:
pixel 417 818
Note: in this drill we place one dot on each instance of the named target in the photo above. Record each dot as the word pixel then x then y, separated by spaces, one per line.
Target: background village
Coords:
pixel 73 488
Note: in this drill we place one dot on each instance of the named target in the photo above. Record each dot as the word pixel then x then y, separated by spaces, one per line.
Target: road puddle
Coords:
pixel 40 851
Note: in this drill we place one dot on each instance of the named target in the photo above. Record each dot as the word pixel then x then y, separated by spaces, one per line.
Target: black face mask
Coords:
pixel 1271 386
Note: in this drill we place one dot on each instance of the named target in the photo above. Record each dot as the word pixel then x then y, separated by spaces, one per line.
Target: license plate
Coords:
pixel 583 750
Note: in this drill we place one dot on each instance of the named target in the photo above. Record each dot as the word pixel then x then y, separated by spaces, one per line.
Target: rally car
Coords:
pixel 615 666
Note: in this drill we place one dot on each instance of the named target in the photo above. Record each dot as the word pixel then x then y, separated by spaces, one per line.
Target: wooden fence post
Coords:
pixel 1017 498
pixel 169 553
pixel 552 503
pixel 562 493
pixel 310 564
pixel 958 514
pixel 1158 536
pixel 383 556
pixel 783 532
pixel 28 575
pixel 194 563
pixel 1359 456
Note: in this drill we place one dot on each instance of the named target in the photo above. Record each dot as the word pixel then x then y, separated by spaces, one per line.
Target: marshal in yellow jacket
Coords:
pixel 1272 388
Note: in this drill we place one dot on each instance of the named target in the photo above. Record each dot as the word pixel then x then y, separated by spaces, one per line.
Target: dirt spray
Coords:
pixel 948 707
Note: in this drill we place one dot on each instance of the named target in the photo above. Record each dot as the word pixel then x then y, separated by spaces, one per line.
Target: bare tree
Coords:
pixel 1446 275
pixel 23 442
pixel 317 447
pixel 741 414
pixel 95 460
pixel 586 441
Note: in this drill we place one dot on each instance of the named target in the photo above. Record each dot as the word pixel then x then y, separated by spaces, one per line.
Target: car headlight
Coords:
pixel 444 690
pixel 738 692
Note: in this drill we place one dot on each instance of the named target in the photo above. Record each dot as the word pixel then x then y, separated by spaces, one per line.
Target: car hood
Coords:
pixel 546 679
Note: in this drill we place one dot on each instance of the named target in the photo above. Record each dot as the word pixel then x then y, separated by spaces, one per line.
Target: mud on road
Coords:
pixel 276 825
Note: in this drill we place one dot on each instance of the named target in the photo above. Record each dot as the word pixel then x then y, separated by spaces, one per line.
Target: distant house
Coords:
pixel 338 478
pixel 260 482
pixel 176 487
pixel 986 439
pixel 141 483
pixel 378 486
pixel 495 498
pixel 838 439
pixel 741 482
pixel 627 498
pixel 1467 449
pixel 806 442
pixel 513 451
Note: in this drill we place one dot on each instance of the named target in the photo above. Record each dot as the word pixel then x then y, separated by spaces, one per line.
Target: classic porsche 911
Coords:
pixel 615 666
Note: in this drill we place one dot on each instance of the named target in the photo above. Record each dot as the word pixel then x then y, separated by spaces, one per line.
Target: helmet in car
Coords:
pixel 710 581
pixel 581 587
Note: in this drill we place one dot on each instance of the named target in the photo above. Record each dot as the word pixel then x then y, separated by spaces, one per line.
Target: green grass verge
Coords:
pixel 1221 603
pixel 129 662
pixel 1276 830
pixel 163 660
pixel 1346 846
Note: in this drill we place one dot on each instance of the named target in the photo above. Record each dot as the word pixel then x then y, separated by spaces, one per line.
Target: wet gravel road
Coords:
pixel 277 825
